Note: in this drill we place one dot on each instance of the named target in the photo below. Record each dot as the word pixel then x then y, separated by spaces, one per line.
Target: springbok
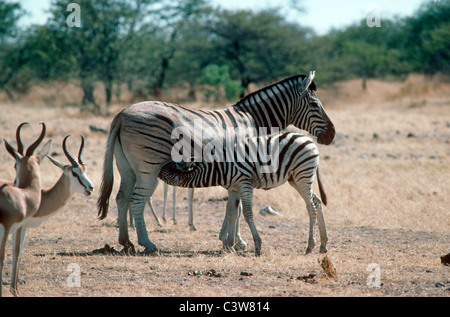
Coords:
pixel 73 179
pixel 20 201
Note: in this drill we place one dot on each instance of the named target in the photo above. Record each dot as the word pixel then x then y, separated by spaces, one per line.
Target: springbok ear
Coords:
pixel 45 150
pixel 12 151
pixel 54 161
pixel 307 81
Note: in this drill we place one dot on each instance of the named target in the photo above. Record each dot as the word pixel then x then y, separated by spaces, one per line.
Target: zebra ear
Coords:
pixel 307 81
pixel 191 163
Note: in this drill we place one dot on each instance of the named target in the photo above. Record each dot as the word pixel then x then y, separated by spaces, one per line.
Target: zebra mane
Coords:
pixel 295 77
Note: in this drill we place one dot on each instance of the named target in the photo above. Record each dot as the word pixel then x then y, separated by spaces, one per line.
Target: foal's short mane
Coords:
pixel 295 77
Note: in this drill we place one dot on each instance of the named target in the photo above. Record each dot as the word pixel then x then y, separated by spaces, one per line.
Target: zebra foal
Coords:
pixel 297 157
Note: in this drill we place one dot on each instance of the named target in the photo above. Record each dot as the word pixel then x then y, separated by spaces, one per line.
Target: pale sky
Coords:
pixel 320 15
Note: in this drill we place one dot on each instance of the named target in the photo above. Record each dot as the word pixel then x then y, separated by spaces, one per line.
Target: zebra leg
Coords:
pixel 223 235
pixel 191 212
pixel 166 191
pixel 227 233
pixel 127 182
pixel 312 206
pixel 152 210
pixel 131 220
pixel 240 244
pixel 246 191
pixel 312 212
pixel 174 200
pixel 144 188
pixel 122 200
pixel 322 226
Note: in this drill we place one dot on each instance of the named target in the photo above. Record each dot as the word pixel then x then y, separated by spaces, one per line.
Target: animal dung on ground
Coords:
pixel 310 278
pixel 107 249
pixel 269 211
pixel 245 273
pixel 445 259
pixel 328 267
pixel 211 273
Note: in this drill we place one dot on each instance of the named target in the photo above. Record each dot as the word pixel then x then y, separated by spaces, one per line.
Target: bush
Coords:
pixel 217 81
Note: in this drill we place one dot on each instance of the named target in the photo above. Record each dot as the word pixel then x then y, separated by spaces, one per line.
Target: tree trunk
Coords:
pixel 165 65
pixel 157 91
pixel 108 91
pixel 8 92
pixel 88 86
pixel 244 83
pixel 191 94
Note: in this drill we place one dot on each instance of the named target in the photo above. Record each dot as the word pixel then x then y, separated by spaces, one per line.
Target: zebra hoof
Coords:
pixel 192 228
pixel 241 246
pixel 227 250
pixel 128 249
pixel 151 251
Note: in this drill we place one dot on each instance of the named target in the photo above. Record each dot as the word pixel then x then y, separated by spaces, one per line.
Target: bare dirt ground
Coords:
pixel 387 180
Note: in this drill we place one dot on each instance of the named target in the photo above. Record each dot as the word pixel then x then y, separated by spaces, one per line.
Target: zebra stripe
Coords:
pixel 140 138
pixel 297 154
pixel 298 163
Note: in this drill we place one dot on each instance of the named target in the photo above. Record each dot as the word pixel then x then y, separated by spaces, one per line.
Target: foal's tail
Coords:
pixel 323 196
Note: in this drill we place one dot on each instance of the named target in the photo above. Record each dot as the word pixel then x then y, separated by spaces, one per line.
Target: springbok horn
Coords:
pixel 19 141
pixel 68 155
pixel 33 146
pixel 80 152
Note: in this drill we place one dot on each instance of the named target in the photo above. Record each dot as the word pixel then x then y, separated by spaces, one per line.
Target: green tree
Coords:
pixel 427 37
pixel 156 43
pixel 359 51
pixel 9 15
pixel 11 52
pixel 97 44
pixel 436 44
pixel 194 53
pixel 258 47
pixel 217 81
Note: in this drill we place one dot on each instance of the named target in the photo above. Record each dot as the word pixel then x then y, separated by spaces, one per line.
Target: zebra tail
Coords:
pixel 323 196
pixel 108 172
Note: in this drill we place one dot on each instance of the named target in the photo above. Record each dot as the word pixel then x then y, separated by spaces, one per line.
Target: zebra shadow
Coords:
pixel 111 251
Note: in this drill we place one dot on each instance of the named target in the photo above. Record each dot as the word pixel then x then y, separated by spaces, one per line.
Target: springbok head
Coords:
pixel 25 161
pixel 76 170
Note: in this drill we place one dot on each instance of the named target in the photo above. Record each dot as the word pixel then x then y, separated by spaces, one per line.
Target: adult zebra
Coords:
pixel 140 139
pixel 297 161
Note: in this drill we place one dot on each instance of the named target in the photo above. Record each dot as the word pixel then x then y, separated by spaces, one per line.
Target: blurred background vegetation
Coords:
pixel 149 46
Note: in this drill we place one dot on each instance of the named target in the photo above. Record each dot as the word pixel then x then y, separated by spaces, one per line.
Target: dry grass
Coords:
pixel 386 176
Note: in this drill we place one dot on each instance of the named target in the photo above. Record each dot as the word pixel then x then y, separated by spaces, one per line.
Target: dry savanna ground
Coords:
pixel 386 176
